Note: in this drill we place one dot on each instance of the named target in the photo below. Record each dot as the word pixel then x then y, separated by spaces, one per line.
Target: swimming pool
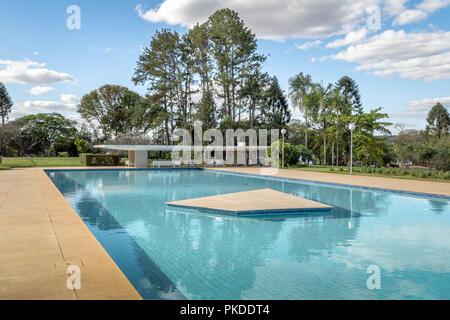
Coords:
pixel 171 253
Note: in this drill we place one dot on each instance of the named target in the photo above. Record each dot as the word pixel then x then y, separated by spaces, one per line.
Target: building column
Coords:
pixel 141 159
pixel 131 158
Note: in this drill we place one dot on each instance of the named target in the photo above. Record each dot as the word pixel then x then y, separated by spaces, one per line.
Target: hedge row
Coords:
pixel 102 160
pixel 424 174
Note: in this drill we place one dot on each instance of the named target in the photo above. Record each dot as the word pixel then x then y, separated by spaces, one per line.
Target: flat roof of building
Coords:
pixel 170 148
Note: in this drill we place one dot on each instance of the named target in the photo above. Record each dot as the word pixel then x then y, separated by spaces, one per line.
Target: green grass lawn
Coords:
pixel 19 162
pixel 357 172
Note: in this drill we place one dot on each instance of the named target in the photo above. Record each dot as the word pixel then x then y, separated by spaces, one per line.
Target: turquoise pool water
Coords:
pixel 170 253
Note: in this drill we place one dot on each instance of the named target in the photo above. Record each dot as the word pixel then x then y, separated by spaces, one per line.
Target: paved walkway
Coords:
pixel 41 235
pixel 439 188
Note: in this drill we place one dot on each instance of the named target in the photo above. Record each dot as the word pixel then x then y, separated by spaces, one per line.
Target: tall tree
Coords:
pixel 206 110
pixel 300 86
pixel 186 70
pixel 276 111
pixel 159 66
pixel 252 91
pixel 350 92
pixel 111 108
pixel 234 48
pixel 8 132
pixel 5 103
pixel 438 120
pixel 201 55
pixel 323 95
pixel 337 101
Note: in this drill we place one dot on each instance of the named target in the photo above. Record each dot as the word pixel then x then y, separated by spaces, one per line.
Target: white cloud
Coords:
pixel 423 55
pixel 283 19
pixel 38 90
pixel 47 106
pixel 419 109
pixel 429 68
pixel 410 16
pixel 407 115
pixel 433 5
pixel 38 106
pixel 421 11
pixel 394 7
pixel 108 50
pixel 308 45
pixel 30 72
pixel 36 53
pixel 350 38
pixel 427 104
pixel 74 117
pixel 270 19
pixel 69 98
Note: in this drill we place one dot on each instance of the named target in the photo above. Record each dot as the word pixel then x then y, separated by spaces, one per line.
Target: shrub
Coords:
pixel 341 169
pixel 332 169
pixel 0 160
pixel 292 153
pixel 82 145
pixel 102 160
pixel 63 154
pixel 423 174
pixel 304 153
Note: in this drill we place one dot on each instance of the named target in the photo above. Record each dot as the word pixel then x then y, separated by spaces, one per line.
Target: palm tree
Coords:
pixel 324 99
pixel 300 86
pixel 336 101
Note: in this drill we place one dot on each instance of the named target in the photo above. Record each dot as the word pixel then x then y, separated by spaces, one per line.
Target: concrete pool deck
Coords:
pixel 259 201
pixel 41 235
pixel 429 187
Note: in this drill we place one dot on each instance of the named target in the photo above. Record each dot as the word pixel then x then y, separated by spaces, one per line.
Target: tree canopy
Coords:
pixel 438 120
pixel 46 128
pixel 111 108
pixel 5 103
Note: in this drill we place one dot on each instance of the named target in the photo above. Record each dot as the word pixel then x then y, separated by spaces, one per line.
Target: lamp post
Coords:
pixel 351 126
pixel 283 132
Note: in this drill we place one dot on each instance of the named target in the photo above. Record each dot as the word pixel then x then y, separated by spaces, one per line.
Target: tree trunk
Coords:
pixel 47 149
pixel 306 131
pixel 252 112
pixel 324 145
pixel 337 140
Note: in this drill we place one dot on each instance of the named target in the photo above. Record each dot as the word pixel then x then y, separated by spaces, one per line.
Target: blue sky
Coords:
pixel 401 64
